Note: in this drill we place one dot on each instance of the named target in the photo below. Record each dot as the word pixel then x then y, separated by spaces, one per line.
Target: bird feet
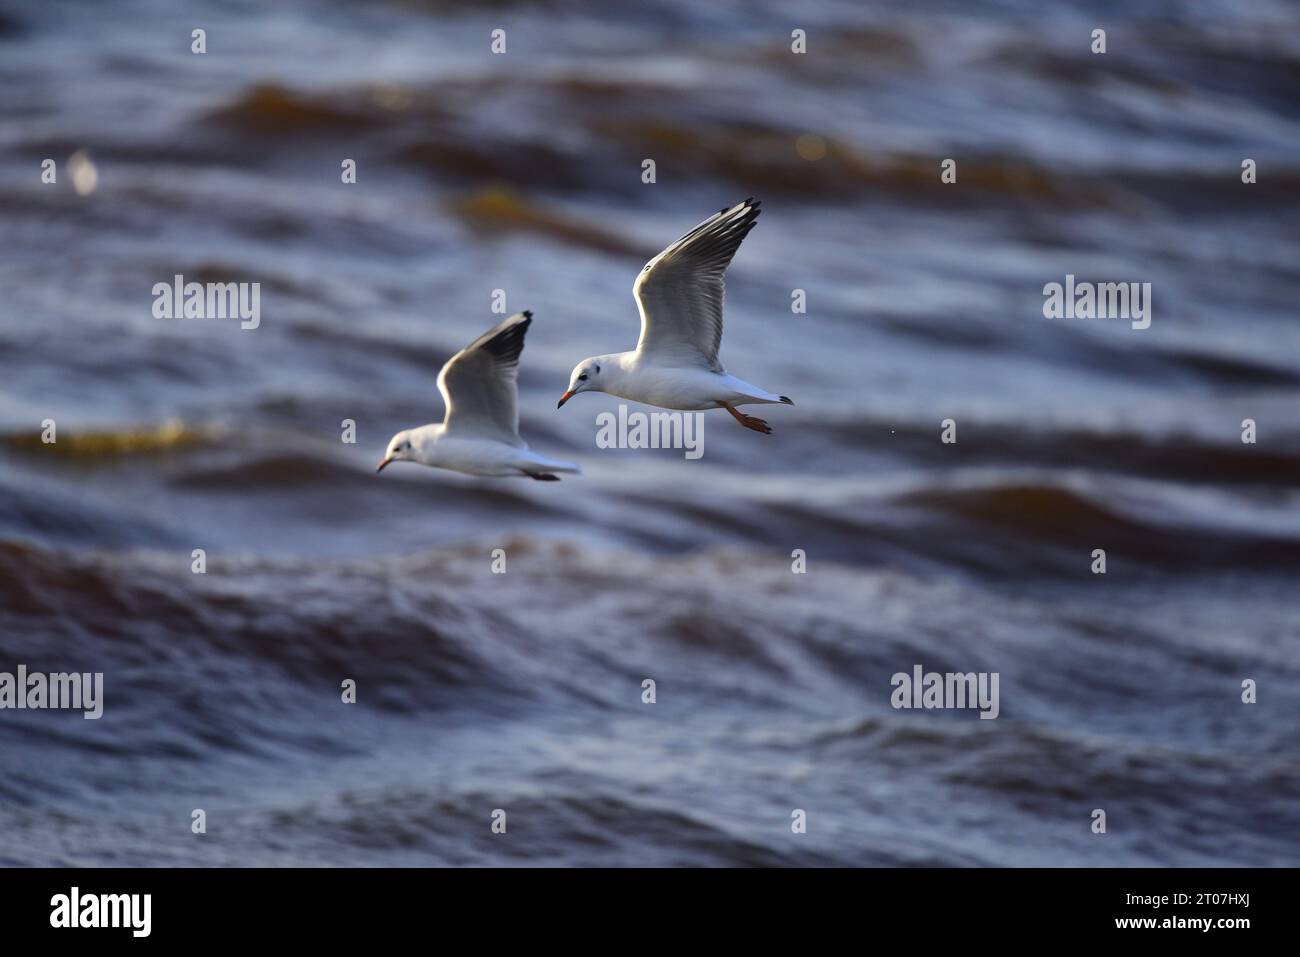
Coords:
pixel 749 421
pixel 543 477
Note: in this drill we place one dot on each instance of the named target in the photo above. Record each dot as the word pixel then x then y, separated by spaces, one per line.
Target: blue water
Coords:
pixel 521 172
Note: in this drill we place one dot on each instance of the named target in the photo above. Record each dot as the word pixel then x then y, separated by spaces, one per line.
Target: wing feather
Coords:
pixel 680 291
pixel 479 384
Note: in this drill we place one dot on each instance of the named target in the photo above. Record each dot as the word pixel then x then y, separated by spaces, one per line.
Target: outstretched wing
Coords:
pixel 680 291
pixel 478 384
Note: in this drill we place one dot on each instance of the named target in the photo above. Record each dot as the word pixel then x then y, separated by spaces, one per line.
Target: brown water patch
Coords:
pixel 268 108
pixel 498 208
pixel 147 439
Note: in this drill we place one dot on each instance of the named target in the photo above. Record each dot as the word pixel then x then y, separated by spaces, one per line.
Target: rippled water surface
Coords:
pixel 522 172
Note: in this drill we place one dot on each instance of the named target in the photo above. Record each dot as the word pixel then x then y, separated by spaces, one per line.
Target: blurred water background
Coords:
pixel 522 691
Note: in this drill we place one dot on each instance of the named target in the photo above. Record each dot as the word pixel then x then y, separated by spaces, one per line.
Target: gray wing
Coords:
pixel 479 383
pixel 680 291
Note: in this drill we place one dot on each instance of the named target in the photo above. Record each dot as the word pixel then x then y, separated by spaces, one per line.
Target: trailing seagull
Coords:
pixel 480 433
pixel 679 293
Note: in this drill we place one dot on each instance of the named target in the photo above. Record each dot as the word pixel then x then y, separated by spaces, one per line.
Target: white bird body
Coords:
pixel 480 433
pixel 434 446
pixel 691 388
pixel 675 364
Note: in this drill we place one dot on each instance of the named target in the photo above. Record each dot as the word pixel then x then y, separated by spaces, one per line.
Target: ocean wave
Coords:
pixel 112 443
pixel 615 121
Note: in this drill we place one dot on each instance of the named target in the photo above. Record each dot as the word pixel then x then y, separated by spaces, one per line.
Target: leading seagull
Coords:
pixel 480 433
pixel 675 364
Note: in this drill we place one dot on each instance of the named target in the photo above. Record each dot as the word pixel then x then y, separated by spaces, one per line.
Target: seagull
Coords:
pixel 679 293
pixel 480 433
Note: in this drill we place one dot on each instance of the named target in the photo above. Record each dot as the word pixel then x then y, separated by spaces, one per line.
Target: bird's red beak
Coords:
pixel 382 464
pixel 564 398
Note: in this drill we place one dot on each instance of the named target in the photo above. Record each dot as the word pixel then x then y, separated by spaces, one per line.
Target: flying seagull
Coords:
pixel 679 293
pixel 480 433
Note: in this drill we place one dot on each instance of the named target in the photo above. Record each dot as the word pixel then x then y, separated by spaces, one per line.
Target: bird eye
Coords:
pixel 583 377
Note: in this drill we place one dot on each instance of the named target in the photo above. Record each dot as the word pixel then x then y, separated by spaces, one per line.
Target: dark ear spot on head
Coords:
pixel 598 370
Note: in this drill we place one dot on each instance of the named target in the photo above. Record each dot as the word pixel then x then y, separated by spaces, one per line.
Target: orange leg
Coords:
pixel 748 421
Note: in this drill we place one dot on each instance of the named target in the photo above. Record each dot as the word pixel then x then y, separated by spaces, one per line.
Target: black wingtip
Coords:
pixel 508 342
pixel 528 314
pixel 787 400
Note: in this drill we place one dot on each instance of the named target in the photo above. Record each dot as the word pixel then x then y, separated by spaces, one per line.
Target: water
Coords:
pixel 523 691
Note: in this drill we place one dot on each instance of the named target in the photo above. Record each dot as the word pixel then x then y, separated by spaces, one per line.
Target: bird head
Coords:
pixel 399 449
pixel 585 378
